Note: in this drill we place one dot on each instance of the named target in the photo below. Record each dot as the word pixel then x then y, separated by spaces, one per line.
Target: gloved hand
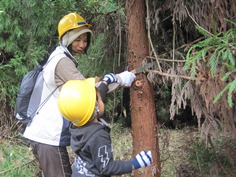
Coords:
pixel 143 159
pixel 125 78
pixel 109 78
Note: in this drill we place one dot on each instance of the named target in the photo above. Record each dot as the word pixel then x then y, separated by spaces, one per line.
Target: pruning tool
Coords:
pixel 138 70
pixel 144 67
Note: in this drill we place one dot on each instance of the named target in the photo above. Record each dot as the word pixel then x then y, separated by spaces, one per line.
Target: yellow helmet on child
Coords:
pixel 69 22
pixel 77 100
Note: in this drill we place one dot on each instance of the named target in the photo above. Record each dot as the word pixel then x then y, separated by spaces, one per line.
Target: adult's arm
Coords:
pixel 66 70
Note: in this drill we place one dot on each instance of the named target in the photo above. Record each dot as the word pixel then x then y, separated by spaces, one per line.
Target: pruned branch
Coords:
pixel 171 75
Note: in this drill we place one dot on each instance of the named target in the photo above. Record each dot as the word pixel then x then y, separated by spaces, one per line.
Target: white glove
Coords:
pixel 143 159
pixel 125 78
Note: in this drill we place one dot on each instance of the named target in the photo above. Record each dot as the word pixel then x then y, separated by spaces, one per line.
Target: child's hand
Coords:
pixel 143 159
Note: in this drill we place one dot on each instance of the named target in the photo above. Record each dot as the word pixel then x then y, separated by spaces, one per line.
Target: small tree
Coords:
pixel 143 113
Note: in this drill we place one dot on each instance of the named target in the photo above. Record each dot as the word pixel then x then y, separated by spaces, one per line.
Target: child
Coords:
pixel 81 103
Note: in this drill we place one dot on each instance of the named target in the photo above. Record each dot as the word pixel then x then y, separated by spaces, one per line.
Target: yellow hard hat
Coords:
pixel 69 22
pixel 77 100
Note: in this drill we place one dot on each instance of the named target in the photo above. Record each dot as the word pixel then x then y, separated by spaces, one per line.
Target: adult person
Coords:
pixel 90 134
pixel 48 132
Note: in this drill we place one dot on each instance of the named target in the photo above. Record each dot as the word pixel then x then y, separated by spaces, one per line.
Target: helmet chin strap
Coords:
pixel 96 112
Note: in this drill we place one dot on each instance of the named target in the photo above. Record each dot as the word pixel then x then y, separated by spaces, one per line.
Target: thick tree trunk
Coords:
pixel 144 130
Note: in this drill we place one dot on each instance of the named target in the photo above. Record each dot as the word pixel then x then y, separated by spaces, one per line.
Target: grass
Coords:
pixel 16 160
pixel 181 154
pixel 171 154
pixel 121 142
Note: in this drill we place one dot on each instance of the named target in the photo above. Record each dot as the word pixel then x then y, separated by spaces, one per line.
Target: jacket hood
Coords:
pixel 81 135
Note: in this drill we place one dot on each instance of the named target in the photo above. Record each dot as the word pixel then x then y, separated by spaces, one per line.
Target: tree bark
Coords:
pixel 143 114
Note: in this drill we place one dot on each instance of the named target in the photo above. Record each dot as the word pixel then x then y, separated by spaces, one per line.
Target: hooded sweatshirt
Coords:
pixel 92 145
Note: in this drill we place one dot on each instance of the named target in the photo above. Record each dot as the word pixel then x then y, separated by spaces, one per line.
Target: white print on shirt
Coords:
pixel 80 166
pixel 103 154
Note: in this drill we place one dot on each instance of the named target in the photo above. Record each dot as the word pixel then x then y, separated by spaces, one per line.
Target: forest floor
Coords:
pixel 16 158
pixel 170 143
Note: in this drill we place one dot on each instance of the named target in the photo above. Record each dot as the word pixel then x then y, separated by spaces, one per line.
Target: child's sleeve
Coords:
pixel 103 89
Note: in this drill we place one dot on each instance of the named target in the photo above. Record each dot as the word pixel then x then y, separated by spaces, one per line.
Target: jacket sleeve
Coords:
pixel 103 89
pixel 102 156
pixel 66 70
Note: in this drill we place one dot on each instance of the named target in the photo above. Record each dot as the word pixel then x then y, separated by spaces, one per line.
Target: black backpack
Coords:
pixel 22 111
pixel 29 96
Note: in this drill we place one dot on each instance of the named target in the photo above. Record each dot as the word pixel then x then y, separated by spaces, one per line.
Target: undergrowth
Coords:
pixel 215 158
pixel 183 154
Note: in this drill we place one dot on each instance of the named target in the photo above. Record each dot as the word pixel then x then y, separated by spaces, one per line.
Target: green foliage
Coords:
pixel 27 32
pixel 26 36
pixel 217 51
pixel 231 88
pixel 98 6
pixel 93 63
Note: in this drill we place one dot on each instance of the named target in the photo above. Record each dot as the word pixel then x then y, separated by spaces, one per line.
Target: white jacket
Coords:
pixel 48 126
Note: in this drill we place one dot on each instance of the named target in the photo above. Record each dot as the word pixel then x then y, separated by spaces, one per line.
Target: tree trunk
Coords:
pixel 144 130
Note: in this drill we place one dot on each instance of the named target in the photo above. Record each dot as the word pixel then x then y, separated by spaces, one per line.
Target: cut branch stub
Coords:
pixel 138 84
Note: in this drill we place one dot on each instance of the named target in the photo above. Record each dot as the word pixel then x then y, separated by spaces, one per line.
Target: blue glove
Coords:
pixel 143 159
pixel 110 78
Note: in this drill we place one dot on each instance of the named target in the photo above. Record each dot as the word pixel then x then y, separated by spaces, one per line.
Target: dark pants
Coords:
pixel 53 160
